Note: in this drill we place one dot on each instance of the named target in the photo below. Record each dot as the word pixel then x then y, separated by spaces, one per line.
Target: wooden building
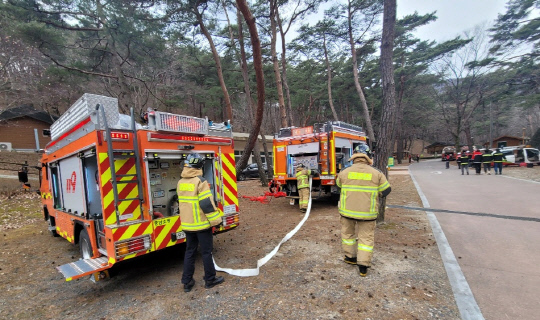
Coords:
pixel 436 147
pixel 17 127
pixel 507 141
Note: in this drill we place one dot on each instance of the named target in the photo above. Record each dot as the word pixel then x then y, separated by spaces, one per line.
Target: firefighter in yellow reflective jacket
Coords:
pixel 302 184
pixel 198 215
pixel 361 185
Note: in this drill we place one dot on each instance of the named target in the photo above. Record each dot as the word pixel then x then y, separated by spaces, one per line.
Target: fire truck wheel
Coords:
pixel 241 177
pixel 84 245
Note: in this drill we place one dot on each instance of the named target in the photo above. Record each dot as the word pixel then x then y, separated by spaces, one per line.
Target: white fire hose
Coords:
pixel 263 261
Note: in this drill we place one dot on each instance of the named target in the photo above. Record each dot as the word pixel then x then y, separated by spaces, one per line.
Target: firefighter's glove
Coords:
pixel 216 222
pixel 315 172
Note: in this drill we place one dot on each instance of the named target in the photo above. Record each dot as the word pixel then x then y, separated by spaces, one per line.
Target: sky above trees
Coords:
pixel 451 85
pixel 454 17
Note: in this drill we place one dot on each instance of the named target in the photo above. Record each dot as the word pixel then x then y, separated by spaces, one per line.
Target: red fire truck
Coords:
pixel 325 147
pixel 109 184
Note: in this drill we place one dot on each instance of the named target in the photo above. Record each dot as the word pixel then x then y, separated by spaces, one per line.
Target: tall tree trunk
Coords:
pixel 241 57
pixel 310 107
pixel 242 61
pixel 468 137
pixel 281 100
pixel 399 120
pixel 389 94
pixel 259 76
pixel 329 77
pixel 365 109
pixel 217 60
pixel 284 70
pixel 269 162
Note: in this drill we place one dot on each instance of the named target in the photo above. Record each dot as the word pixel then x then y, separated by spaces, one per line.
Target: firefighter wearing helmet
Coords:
pixel 302 184
pixel 361 186
pixel 198 215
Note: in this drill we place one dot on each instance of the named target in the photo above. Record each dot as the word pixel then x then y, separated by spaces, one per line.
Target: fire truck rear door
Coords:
pixel 305 153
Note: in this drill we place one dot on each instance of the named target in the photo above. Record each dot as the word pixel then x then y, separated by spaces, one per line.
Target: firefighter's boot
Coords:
pixel 215 282
pixel 188 286
pixel 363 270
pixel 349 260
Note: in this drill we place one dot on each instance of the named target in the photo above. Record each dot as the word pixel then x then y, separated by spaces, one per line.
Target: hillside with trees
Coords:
pixel 270 64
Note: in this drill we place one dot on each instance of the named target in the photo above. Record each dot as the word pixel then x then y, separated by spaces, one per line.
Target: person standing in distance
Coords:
pixel 486 160
pixel 198 215
pixel 498 158
pixel 463 161
pixel 361 186
pixel 477 161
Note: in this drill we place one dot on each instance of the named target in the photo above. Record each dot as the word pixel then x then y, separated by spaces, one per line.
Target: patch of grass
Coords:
pixel 19 210
pixel 386 225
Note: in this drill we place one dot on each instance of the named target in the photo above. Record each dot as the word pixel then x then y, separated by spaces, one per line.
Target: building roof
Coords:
pixel 435 144
pixel 511 137
pixel 26 111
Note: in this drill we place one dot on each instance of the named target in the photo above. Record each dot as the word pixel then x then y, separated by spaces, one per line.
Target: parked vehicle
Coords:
pixel 518 155
pixel 448 154
pixel 251 171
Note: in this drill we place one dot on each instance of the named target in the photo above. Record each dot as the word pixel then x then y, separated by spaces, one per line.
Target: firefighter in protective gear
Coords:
pixel 498 158
pixel 477 161
pixel 486 160
pixel 302 184
pixel 361 185
pixel 463 161
pixel 198 214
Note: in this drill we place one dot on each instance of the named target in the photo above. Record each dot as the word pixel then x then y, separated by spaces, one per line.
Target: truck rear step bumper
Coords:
pixel 81 268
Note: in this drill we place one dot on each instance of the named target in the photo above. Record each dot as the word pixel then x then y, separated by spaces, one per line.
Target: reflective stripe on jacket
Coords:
pixel 498 157
pixel 463 159
pixel 196 204
pixel 487 158
pixel 360 187
pixel 302 178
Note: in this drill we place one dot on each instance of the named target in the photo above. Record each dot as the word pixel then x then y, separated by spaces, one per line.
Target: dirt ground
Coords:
pixel 306 278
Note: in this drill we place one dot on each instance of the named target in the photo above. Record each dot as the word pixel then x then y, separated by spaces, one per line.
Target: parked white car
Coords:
pixel 521 155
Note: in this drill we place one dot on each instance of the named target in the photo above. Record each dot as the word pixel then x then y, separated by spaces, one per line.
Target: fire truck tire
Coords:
pixel 84 245
pixel 241 177
pixel 334 198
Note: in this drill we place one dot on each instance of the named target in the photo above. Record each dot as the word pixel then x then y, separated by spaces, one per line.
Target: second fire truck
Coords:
pixel 326 147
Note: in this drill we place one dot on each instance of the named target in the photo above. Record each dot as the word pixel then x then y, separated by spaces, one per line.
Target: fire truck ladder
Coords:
pixel 123 154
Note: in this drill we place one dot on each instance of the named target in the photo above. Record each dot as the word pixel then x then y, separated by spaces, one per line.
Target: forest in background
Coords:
pixel 195 58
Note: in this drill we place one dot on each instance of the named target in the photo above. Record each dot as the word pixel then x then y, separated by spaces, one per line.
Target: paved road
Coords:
pixel 500 258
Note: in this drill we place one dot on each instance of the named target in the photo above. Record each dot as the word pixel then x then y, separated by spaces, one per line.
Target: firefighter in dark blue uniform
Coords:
pixel 463 161
pixel 486 160
pixel 498 158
